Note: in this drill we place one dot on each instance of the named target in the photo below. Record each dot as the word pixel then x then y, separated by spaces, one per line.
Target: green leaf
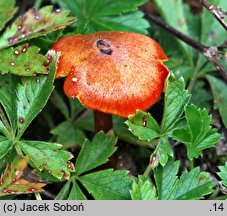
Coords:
pixel 95 153
pixel 48 156
pixel 164 150
pixel 122 132
pixel 108 184
pixel 76 193
pixel 176 98
pixel 71 191
pixel 85 121
pixel 20 61
pixel 102 15
pixel 3 129
pixel 68 135
pixel 64 192
pixel 8 85
pixel 13 180
pixel 142 189
pixel 7 10
pixel 198 134
pixel 75 108
pixel 58 101
pixel 34 24
pixel 223 174
pixel 191 185
pixel 175 16
pixel 219 89
pixel 5 146
pixel 143 125
pixel 211 32
pixel 200 96
pixel 165 178
pixel 32 95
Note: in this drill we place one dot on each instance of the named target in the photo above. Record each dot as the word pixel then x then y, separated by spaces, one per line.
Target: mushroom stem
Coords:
pixel 103 121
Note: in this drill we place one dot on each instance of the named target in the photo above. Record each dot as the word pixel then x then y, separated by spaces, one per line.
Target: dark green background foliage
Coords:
pixel 159 152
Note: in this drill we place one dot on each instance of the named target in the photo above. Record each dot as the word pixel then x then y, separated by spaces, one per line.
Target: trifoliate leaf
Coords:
pixel 143 125
pixel 142 189
pixel 176 98
pixel 198 134
pixel 20 61
pixel 13 180
pixel 219 89
pixel 95 15
pixel 164 150
pixel 108 184
pixel 191 185
pixel 95 153
pixel 7 10
pixel 68 135
pixel 32 95
pixel 48 156
pixel 5 146
pixel 223 174
pixel 34 24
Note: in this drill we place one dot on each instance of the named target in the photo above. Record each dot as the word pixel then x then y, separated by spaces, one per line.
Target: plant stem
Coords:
pixel 223 197
pixel 103 121
pixel 38 196
pixel 214 194
pixel 191 164
pixel 18 150
pixel 148 170
pixel 152 163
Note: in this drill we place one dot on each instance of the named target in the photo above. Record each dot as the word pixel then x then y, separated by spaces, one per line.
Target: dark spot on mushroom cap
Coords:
pixel 104 47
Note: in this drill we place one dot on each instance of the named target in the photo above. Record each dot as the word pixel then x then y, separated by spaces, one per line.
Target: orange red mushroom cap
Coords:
pixel 112 72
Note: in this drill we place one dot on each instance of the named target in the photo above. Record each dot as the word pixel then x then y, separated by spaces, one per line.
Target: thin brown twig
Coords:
pixel 211 53
pixel 218 12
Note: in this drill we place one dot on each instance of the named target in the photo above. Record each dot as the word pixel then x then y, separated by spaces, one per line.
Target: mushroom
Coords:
pixel 112 72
